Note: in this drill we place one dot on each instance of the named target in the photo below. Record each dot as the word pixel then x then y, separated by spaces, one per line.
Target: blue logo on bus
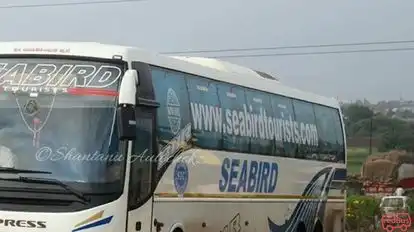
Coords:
pixel 181 177
pixel 248 176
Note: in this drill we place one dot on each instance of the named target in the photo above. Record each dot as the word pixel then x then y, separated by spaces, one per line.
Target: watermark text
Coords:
pixel 72 154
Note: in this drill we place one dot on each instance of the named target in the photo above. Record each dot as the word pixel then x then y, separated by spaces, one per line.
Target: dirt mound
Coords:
pixel 384 167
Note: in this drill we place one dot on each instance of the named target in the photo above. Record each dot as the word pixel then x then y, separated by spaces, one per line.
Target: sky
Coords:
pixel 182 25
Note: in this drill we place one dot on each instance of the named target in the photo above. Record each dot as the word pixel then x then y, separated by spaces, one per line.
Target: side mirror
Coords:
pixel 126 106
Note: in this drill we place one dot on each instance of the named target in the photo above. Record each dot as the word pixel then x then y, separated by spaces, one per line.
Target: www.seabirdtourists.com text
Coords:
pixel 247 123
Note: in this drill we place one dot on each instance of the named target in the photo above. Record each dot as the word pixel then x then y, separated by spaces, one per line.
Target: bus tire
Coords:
pixel 177 227
pixel 301 227
pixel 318 227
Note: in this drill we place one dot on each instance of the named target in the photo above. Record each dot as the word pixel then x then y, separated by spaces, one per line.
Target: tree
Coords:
pixel 398 139
pixel 356 112
pixel 394 133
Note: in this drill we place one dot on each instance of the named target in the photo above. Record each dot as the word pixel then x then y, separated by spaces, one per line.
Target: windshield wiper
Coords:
pixel 51 181
pixel 17 171
pixel 68 188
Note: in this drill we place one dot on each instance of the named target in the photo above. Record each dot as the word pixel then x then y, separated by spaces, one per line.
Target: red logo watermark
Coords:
pixel 392 221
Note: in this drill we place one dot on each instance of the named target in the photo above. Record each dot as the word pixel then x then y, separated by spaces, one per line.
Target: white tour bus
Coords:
pixel 98 137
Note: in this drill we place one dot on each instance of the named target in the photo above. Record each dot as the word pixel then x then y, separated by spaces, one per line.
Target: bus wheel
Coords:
pixel 318 227
pixel 301 227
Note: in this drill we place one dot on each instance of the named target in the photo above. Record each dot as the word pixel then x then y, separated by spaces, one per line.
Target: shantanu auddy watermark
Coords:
pixel 72 154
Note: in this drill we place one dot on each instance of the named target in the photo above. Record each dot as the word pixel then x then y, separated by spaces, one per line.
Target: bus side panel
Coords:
pixel 206 190
pixel 335 209
pixel 140 216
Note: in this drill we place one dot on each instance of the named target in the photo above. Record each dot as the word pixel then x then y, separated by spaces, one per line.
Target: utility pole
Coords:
pixel 370 135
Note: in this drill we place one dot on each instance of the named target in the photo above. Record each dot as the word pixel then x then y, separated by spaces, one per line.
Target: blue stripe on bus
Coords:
pixel 307 210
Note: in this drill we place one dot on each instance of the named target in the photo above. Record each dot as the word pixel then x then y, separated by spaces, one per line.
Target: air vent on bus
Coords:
pixel 267 76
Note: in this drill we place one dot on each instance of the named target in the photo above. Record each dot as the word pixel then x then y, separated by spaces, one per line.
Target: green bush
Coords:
pixel 410 203
pixel 361 211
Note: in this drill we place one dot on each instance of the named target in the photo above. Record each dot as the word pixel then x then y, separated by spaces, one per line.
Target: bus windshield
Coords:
pixel 59 116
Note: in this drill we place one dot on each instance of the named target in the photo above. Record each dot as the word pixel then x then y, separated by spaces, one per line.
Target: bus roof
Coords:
pixel 206 67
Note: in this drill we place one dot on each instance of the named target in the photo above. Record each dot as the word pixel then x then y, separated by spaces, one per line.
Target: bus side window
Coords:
pixel 306 134
pixel 327 134
pixel 204 100
pixel 258 128
pixel 232 100
pixel 171 92
pixel 339 136
pixel 283 113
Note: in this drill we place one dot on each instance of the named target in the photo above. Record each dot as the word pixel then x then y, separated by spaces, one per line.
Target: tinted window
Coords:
pixel 206 112
pixel 328 146
pixel 228 117
pixel 339 135
pixel 140 181
pixel 284 116
pixel 259 124
pixel 305 130
pixel 235 133
pixel 171 92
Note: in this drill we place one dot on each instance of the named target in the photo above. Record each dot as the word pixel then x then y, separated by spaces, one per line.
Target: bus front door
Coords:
pixel 142 171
